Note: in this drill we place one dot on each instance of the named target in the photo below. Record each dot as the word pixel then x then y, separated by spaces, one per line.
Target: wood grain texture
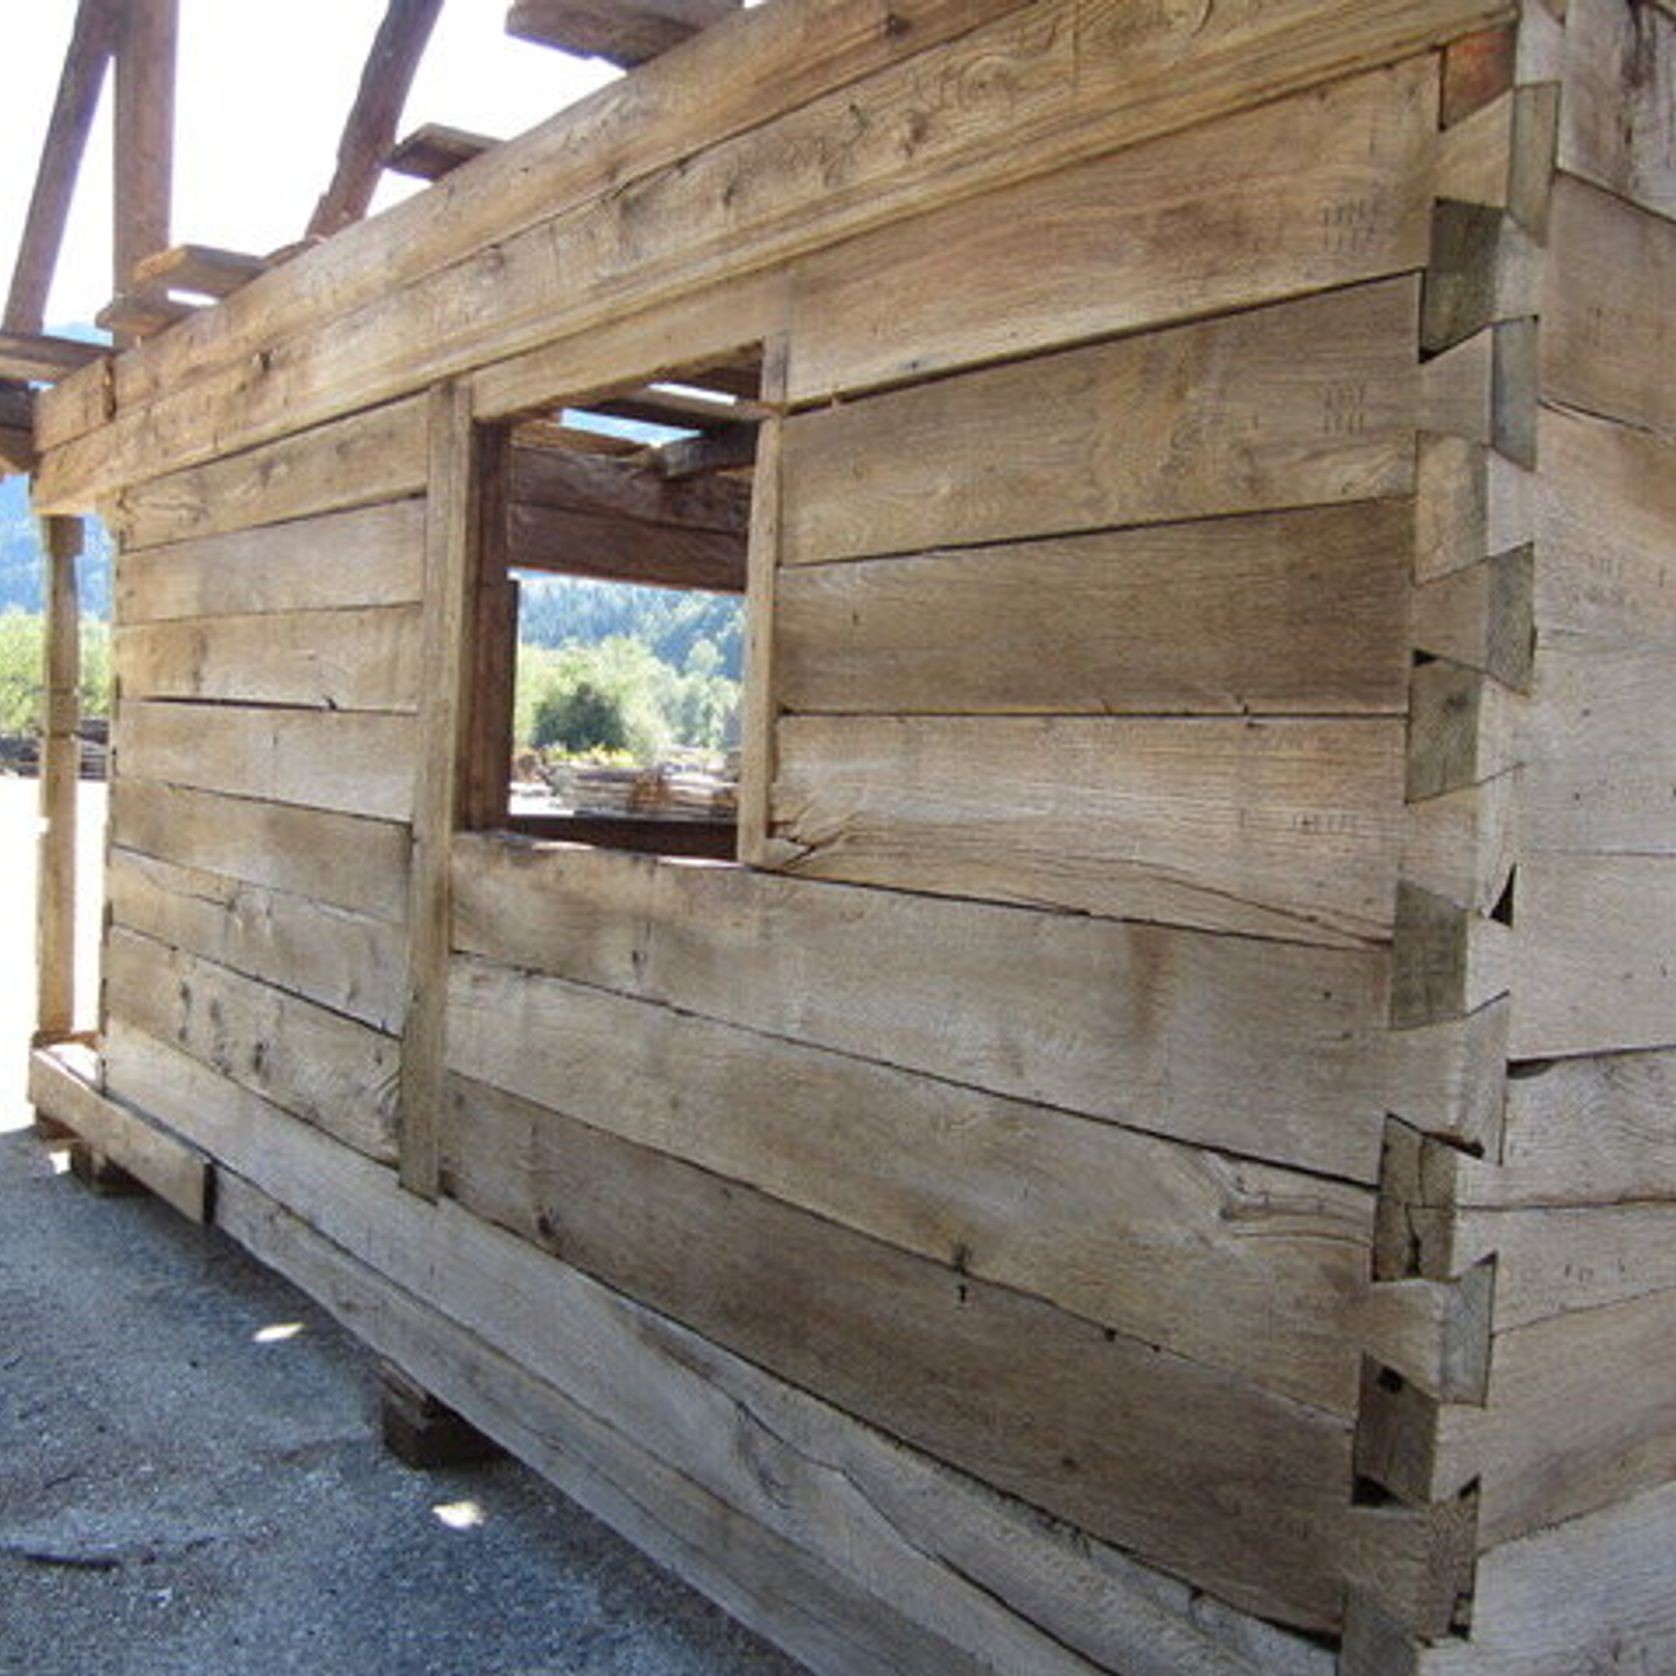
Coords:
pixel 1219 616
pixel 747 1448
pixel 1302 403
pixel 1041 87
pixel 60 768
pixel 1619 110
pixel 1132 1445
pixel 1271 828
pixel 339 561
pixel 330 660
pixel 1608 341
pixel 1167 1243
pixel 1320 190
pixel 343 960
pixel 1592 939
pixel 1589 1593
pixel 354 763
pixel 319 1065
pixel 344 860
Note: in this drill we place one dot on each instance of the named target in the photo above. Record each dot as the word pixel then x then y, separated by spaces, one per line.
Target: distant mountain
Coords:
pixel 20 556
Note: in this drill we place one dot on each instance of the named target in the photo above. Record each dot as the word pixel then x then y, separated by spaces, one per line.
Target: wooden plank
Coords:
pixel 332 660
pixel 1607 526
pixel 74 105
pixel 1477 69
pixel 1592 936
pixel 1164 1242
pixel 322 1067
pixel 62 1088
pixel 131 315
pixel 55 906
pixel 370 129
pixel 1223 615
pixel 1323 189
pixel 1619 110
pixel 42 358
pixel 1121 1446
pixel 773 64
pixel 143 129
pixel 627 489
pixel 1299 404
pixel 434 150
pixel 1266 828
pixel 1471 504
pixel 1608 341
pixel 1265 1049
pixel 760 699
pixel 915 1536
pixel 454 558
pixel 376 456
pixel 358 763
pixel 618 549
pixel 349 962
pixel 335 562
pixel 622 32
pixel 1590 1590
pixel 344 860
pixel 1068 97
pixel 201 269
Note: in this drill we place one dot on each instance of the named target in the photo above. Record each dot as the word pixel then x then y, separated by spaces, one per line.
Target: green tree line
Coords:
pixel 22 643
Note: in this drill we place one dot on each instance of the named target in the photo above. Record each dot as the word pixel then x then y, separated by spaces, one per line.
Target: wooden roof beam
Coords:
pixel 729 448
pixel 623 32
pixel 32 355
pixel 73 111
pixel 370 131
pixel 200 269
pixel 435 150
pixel 144 133
pixel 138 314
pixel 17 429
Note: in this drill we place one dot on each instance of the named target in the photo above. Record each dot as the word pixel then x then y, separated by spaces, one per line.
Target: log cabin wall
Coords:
pixel 1060 1206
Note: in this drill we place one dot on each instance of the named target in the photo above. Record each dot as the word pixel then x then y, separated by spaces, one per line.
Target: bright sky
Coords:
pixel 263 93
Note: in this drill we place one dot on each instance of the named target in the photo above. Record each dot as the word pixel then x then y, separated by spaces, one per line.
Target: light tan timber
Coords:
pixel 1223 615
pixel 370 130
pixel 199 269
pixel 143 127
pixel 55 905
pixel 77 99
pixel 1324 189
pixel 1270 828
pixel 1593 936
pixel 1484 389
pixel 1588 1594
pixel 760 700
pixel 319 1065
pixel 374 456
pixel 63 1088
pixel 1608 332
pixel 1482 617
pixel 1448 961
pixel 1167 1243
pixel 347 861
pixel 1620 100
pixel 918 1538
pixel 1584 1131
pixel 1471 504
pixel 334 660
pixel 358 763
pixel 772 64
pixel 626 490
pixel 1463 846
pixel 37 356
pixel 1139 1426
pixel 1464 728
pixel 434 149
pixel 132 315
pixel 336 562
pixel 617 549
pixel 1298 404
pixel 623 32
pixel 349 962
pixel 454 552
pixel 1265 1049
pixel 1607 522
pixel 837 167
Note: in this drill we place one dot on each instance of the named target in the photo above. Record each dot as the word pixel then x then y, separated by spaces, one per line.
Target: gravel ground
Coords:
pixel 191 1482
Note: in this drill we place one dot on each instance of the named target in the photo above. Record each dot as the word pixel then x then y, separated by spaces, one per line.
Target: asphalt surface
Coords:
pixel 192 1482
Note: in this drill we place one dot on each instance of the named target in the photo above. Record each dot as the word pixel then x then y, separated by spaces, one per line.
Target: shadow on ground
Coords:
pixel 191 1484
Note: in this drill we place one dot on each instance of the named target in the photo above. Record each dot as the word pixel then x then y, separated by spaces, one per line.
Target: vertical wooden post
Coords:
pixel 761 704
pixel 144 133
pixel 55 946
pixel 451 564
